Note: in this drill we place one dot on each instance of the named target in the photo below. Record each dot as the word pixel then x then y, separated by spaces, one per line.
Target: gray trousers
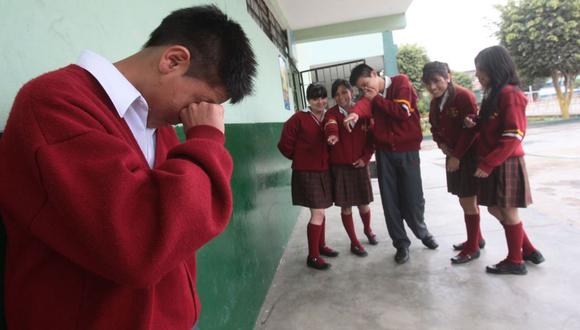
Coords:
pixel 399 175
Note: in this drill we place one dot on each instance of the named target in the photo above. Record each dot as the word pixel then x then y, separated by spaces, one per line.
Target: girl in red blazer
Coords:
pixel 450 104
pixel 504 183
pixel 349 156
pixel 303 142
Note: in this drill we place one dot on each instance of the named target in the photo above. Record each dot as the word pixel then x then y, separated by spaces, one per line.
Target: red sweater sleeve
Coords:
pixel 331 124
pixel 467 106
pixel 288 137
pixel 432 120
pixel 102 207
pixel 400 106
pixel 512 116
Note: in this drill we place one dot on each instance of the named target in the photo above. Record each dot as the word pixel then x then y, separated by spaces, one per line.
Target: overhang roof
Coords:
pixel 323 19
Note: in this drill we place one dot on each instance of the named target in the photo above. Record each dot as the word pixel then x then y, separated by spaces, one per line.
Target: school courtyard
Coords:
pixel 428 292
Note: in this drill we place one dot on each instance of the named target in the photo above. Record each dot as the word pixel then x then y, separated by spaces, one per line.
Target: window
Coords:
pixel 266 20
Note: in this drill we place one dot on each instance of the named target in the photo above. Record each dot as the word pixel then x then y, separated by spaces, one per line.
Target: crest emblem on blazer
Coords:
pixel 453 112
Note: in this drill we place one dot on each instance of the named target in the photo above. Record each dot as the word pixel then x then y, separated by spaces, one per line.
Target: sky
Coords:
pixel 451 31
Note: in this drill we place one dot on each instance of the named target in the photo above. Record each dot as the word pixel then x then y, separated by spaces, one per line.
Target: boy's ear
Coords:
pixel 174 59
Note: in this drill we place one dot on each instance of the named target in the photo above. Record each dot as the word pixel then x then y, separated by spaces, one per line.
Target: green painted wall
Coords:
pixel 235 270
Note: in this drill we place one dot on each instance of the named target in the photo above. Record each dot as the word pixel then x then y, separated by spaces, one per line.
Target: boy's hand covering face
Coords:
pixel 203 113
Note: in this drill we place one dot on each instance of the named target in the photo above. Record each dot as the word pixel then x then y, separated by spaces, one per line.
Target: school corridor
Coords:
pixel 428 292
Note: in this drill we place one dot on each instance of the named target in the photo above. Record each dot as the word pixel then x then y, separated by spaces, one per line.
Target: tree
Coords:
pixel 410 60
pixel 462 79
pixel 543 36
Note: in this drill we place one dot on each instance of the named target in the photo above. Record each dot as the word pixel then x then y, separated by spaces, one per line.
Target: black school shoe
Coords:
pixel 464 258
pixel 328 252
pixel 359 251
pixel 430 242
pixel 459 247
pixel 317 263
pixel 535 257
pixel 507 267
pixel 372 239
pixel 402 255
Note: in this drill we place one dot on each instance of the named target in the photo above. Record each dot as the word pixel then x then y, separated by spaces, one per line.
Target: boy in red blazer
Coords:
pixel 392 103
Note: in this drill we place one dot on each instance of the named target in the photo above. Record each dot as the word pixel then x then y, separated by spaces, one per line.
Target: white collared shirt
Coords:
pixel 128 102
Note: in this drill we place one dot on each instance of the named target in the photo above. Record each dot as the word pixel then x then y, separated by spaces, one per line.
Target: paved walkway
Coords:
pixel 428 292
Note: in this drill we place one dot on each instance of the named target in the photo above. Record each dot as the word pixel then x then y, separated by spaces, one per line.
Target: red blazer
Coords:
pixel 302 141
pixel 352 146
pixel 447 124
pixel 397 124
pixel 96 238
pixel 501 135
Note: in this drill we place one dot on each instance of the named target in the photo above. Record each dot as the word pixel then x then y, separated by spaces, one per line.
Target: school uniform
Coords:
pixel 397 136
pixel 446 115
pixel 351 185
pixel 500 152
pixel 302 141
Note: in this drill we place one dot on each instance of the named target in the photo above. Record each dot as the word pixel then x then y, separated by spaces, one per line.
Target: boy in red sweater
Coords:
pixel 451 103
pixel 501 168
pixel 302 141
pixel 104 209
pixel 391 102
pixel 350 154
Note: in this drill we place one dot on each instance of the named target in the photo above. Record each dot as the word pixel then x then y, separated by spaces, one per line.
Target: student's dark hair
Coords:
pixel 433 69
pixel 315 90
pixel 361 70
pixel 221 53
pixel 499 66
pixel 337 83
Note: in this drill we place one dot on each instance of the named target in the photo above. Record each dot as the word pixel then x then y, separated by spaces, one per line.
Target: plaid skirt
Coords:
pixel 312 189
pixel 462 183
pixel 506 186
pixel 351 185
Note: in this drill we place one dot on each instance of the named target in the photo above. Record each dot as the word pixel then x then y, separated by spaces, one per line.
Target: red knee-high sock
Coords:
pixel 322 239
pixel 514 235
pixel 348 224
pixel 366 219
pixel 527 246
pixel 313 233
pixel 473 234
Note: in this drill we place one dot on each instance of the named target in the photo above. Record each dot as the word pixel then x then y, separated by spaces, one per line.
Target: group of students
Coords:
pixel 330 151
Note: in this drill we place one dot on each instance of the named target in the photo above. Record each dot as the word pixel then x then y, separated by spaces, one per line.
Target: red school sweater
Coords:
pixel 302 141
pixel 501 134
pixel 447 124
pixel 96 238
pixel 397 124
pixel 351 146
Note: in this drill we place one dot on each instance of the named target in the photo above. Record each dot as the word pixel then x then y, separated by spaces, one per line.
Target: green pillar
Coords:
pixel 389 54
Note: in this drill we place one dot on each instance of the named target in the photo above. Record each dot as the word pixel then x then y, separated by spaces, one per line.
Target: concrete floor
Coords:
pixel 428 292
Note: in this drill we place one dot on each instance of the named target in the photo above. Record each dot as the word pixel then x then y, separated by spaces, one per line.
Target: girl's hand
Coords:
pixel 332 140
pixel 469 122
pixel 481 173
pixel 453 164
pixel 350 121
pixel 359 163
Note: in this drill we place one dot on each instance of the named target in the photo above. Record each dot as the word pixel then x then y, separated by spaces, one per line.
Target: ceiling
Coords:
pixel 305 14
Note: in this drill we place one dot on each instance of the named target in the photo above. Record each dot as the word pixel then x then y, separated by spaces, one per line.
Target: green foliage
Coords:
pixel 543 36
pixel 462 79
pixel 410 60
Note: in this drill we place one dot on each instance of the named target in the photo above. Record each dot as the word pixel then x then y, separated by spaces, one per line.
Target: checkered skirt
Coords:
pixel 312 189
pixel 506 186
pixel 351 186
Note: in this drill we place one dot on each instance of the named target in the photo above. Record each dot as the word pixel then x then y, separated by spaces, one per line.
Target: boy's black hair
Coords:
pixel 499 66
pixel 315 90
pixel 221 53
pixel 337 83
pixel 361 70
